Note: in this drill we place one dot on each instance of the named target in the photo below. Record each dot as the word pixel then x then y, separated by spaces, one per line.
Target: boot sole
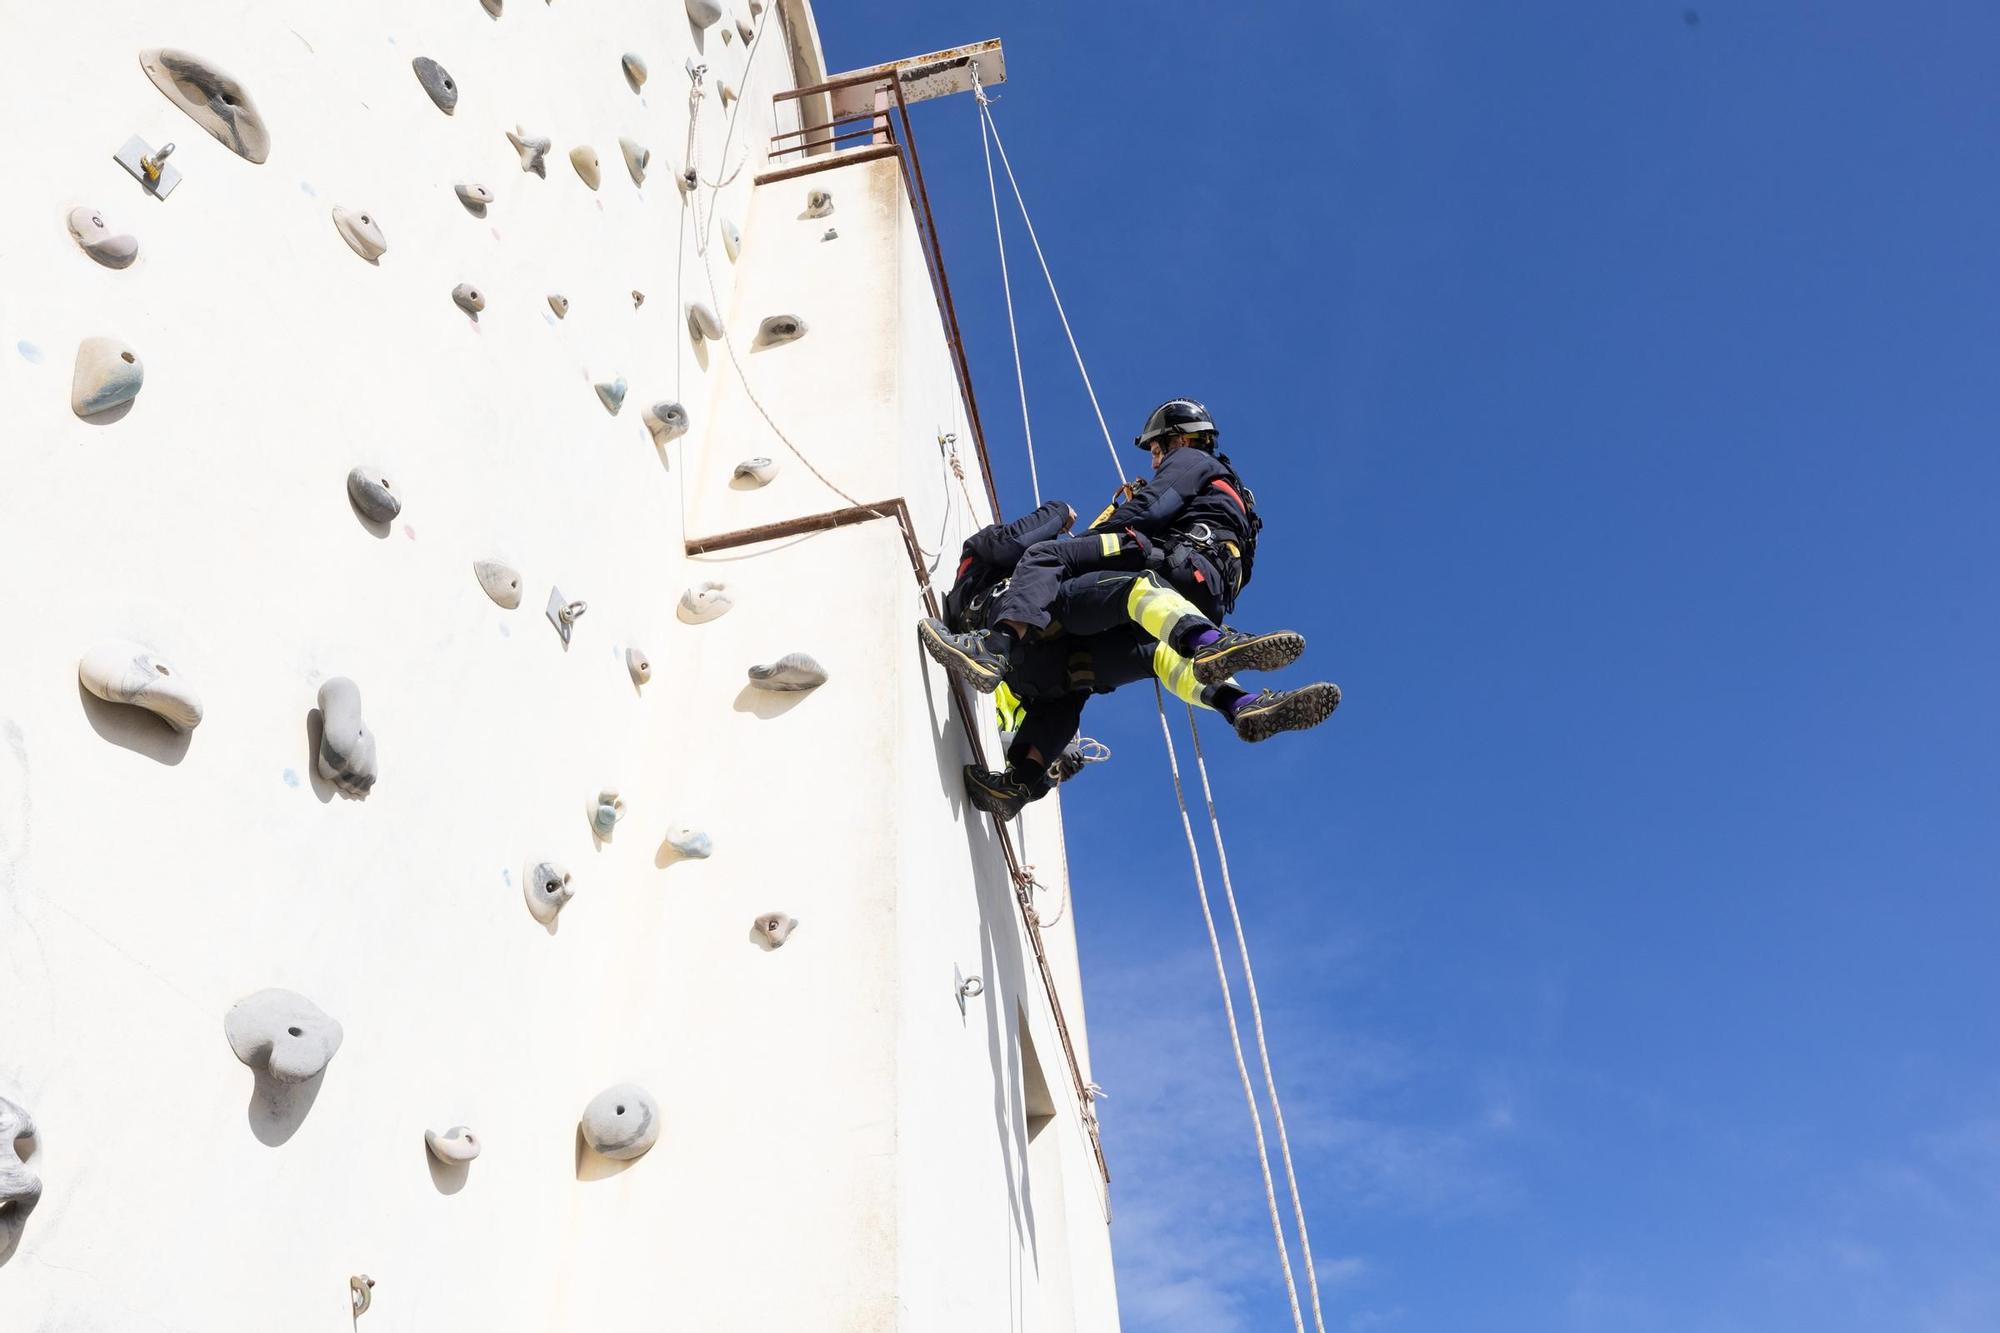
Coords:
pixel 1266 652
pixel 987 802
pixel 974 673
pixel 1304 708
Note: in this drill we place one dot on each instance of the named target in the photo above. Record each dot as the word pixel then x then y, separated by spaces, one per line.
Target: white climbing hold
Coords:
pixel 361 232
pixel 703 322
pixel 819 203
pixel 474 197
pixel 667 421
pixel 468 298
pixel 559 303
pixel 20 1187
pixel 346 746
pixel 704 602
pixel 502 582
pixel 637 155
pixel 759 470
pixel 732 239
pixel 108 374
pixel 776 927
pixel 635 70
pixel 283 1034
pixel 86 226
pixel 534 151
pixel 211 99
pixel 547 889
pixel 777 329
pixel 454 1147
pixel 639 665
pixel 121 672
pixel 690 842
pixel 704 13
pixel 726 90
pixel 790 673
pixel 744 28
pixel 373 494
pixel 584 159
pixel 621 1122
pixel 611 394
pixel 605 812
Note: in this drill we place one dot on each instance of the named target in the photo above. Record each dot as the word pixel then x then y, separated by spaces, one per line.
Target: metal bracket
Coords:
pixel 563 614
pixel 149 168
pixel 965 988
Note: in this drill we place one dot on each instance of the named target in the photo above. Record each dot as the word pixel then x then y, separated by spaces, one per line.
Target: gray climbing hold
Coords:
pixel 20 1187
pixel 468 298
pixel 756 8
pixel 361 232
pixel 703 322
pixel 584 159
pixel 612 395
pixel 638 298
pixel 454 1147
pixel 635 70
pixel 346 746
pixel 474 197
pixel 777 329
pixel 705 601
pixel 86 226
pixel 108 374
pixel 667 421
pixel 732 239
pixel 639 665
pixel 437 83
pixel 559 303
pixel 547 889
pixel 793 671
pixel 501 582
pixel 212 100
pixel 759 470
pixel 534 151
pixel 621 1122
pixel 704 13
pixel 373 494
pixel 744 28
pixel 120 672
pixel 605 812
pixel 493 7
pixel 283 1034
pixel 776 927
pixel 690 842
pixel 830 234
pixel 637 155
pixel 819 203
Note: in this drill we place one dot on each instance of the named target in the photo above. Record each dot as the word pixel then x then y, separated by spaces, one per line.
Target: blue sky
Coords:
pixel 1621 395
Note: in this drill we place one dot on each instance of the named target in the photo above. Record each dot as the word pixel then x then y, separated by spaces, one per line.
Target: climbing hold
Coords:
pixel 360 1294
pixel 690 842
pixel 780 329
pixel 727 35
pixel 501 582
pixel 474 197
pixel 584 159
pixel 703 322
pixel 467 298
pixel 704 602
pixel 756 8
pixel 605 812
pixel 361 233
pixel 612 395
pixel 636 158
pixel 704 13
pixel 534 152
pixel 622 1122
pixel 373 494
pixel 792 672
pixel 744 28
pixel 667 421
pixel 492 7
pixel 818 203
pixel 20 1187
pixel 776 927
pixel 638 298
pixel 346 746
pixel 86 225
pixel 732 239
pixel 830 234
pixel 211 100
pixel 108 374
pixel 547 889
pixel 454 1147
pixel 725 89
pixel 637 663
pixel 283 1034
pixel 437 83
pixel 635 70
pixel 559 303
pixel 129 673
pixel 759 470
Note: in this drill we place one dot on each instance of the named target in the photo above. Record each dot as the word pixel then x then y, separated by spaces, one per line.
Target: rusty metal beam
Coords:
pixel 827 162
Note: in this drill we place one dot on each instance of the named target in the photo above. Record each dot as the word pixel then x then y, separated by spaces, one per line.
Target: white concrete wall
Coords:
pixel 831 1121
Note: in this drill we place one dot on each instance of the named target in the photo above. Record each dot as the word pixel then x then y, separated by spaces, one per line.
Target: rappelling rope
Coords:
pixel 988 127
pixel 1007 286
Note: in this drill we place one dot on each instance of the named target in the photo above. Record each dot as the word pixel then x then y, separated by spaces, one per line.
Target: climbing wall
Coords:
pixel 414 865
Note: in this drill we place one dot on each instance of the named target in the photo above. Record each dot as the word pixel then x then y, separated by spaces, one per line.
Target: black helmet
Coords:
pixel 1176 416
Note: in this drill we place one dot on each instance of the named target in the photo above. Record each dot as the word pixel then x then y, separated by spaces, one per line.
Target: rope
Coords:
pixel 1229 1008
pixel 1007 286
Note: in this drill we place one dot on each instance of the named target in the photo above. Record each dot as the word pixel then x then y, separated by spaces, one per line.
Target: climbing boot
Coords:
pixel 966 656
pixel 1236 651
pixel 1269 712
pixel 1003 794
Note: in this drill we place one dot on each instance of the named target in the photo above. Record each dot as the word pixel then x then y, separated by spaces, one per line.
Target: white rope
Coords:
pixel 1256 1017
pixel 1007 286
pixel 1229 1008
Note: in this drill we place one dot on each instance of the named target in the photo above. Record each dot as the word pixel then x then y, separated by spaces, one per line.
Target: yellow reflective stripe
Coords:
pixel 1109 510
pixel 1157 607
pixel 1177 674
pixel 1109 542
pixel 1009 708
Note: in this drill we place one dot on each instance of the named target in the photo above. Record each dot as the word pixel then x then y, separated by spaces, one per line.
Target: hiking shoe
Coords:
pixel 1001 794
pixel 965 656
pixel 1236 651
pixel 1273 711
